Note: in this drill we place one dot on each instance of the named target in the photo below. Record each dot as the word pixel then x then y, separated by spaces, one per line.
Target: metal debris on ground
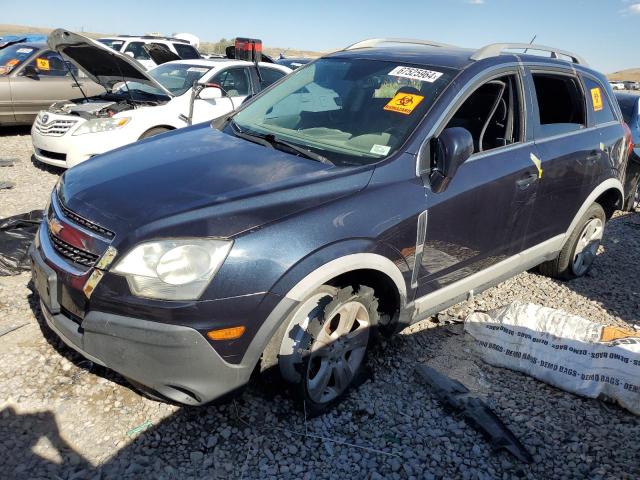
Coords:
pixel 140 428
pixel 6 185
pixel 12 328
pixel 7 162
pixel 455 396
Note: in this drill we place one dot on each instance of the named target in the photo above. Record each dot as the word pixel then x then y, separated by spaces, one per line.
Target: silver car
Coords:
pixel 32 77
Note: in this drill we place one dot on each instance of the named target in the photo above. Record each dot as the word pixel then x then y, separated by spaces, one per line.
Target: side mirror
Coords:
pixel 30 71
pixel 130 54
pixel 210 92
pixel 450 150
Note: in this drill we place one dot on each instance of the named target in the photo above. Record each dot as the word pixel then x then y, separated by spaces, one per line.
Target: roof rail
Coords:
pixel 495 49
pixel 153 37
pixel 374 42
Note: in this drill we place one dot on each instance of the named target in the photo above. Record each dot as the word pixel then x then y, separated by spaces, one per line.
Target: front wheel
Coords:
pixel 580 249
pixel 324 349
pixel 152 132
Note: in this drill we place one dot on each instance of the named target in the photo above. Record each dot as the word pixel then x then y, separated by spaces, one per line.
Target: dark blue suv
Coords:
pixel 364 192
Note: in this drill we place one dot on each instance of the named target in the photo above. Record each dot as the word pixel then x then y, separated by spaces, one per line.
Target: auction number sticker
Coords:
pixel 404 103
pixel 42 64
pixel 596 96
pixel 415 74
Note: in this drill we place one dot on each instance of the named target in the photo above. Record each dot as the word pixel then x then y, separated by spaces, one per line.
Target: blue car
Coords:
pixel 630 106
pixel 285 237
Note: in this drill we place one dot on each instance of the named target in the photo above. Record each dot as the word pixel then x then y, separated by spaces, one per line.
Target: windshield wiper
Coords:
pixel 305 152
pixel 272 141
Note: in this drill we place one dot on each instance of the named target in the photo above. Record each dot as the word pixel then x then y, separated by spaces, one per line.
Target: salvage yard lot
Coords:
pixel 63 417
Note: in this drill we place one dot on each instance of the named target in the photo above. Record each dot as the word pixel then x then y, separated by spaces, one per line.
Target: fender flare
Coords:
pixel 608 184
pixel 265 339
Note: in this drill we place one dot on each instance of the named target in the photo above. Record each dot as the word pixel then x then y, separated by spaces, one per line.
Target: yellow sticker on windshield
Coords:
pixel 596 96
pixel 42 64
pixel 404 103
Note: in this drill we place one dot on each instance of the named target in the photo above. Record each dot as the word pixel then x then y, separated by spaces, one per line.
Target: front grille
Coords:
pixel 72 253
pixel 54 128
pixel 84 222
pixel 52 155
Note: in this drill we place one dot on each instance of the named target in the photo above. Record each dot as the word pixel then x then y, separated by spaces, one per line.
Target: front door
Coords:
pixel 236 85
pixel 482 218
pixel 52 83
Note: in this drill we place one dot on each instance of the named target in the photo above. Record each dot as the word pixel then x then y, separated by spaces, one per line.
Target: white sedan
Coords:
pixel 139 104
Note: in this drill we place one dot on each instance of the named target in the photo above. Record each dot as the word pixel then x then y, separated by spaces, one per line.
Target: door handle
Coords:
pixel 594 156
pixel 526 181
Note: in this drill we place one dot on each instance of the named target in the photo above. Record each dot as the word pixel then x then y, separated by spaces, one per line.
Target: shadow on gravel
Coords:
pixel 45 167
pixel 614 279
pixel 28 432
pixel 12 131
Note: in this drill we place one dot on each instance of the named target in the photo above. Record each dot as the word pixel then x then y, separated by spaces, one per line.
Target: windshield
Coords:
pixel 352 111
pixel 112 43
pixel 13 56
pixel 178 77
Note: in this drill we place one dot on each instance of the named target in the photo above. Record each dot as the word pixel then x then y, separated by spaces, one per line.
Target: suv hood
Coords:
pixel 199 182
pixel 101 63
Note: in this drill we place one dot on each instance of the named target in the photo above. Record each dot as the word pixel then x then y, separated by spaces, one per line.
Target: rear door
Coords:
pixel 567 149
pixel 603 114
pixel 483 216
pixel 53 83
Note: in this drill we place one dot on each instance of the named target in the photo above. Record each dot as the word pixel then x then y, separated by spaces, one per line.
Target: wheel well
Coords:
pixel 611 200
pixel 385 288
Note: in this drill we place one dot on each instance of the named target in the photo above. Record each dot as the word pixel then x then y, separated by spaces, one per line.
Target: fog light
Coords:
pixel 226 333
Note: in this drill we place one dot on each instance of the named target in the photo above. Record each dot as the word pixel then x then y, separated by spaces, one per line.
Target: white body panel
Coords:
pixel 172 115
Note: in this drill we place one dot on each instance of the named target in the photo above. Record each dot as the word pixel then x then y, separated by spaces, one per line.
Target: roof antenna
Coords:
pixel 531 42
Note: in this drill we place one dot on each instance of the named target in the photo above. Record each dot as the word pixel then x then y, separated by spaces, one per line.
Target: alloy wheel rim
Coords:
pixel 587 246
pixel 338 352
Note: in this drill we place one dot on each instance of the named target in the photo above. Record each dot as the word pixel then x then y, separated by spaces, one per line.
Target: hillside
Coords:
pixel 630 74
pixel 205 46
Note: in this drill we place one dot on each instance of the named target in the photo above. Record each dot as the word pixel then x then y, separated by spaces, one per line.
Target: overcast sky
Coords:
pixel 605 32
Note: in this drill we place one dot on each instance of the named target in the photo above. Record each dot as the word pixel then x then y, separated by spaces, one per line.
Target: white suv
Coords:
pixel 133 46
pixel 138 104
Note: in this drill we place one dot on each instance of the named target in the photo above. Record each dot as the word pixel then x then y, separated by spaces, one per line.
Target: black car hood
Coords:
pixel 199 181
pixel 101 63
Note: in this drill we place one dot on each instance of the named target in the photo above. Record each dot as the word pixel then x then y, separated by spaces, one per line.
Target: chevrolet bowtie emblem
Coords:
pixel 55 226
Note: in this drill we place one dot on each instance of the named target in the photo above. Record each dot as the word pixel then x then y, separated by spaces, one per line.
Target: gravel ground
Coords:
pixel 62 417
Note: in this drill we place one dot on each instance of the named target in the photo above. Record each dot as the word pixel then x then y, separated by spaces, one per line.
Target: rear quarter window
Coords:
pixel 186 52
pixel 599 104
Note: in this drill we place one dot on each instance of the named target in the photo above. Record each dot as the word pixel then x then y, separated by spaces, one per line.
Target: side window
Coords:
pixel 598 101
pixel 186 52
pixel 270 76
pixel 561 104
pixel 50 64
pixel 492 114
pixel 234 80
pixel 135 48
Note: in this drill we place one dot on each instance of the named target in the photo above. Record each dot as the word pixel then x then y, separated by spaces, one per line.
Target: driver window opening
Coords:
pixel 492 114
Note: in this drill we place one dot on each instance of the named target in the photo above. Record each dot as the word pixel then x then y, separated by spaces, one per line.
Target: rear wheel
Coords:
pixel 153 132
pixel 324 349
pixel 580 249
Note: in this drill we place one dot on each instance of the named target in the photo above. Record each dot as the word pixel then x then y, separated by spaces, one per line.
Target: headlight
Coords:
pixel 177 269
pixel 102 125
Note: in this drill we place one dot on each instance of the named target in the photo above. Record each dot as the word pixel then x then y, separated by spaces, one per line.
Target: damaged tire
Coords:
pixel 324 349
pixel 580 249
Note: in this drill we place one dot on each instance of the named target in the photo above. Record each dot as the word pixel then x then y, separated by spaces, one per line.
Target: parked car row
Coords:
pixel 624 85
pixel 137 104
pixel 359 194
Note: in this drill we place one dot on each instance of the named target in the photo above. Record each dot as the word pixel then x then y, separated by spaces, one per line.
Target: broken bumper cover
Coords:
pixel 175 361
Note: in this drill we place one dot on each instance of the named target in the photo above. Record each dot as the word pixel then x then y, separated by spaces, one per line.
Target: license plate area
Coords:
pixel 45 281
